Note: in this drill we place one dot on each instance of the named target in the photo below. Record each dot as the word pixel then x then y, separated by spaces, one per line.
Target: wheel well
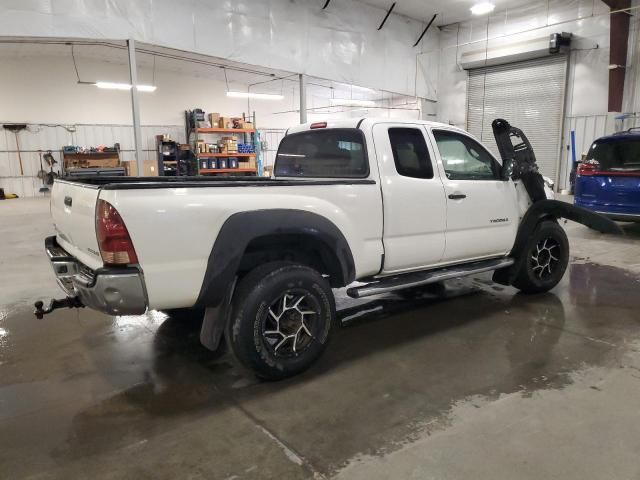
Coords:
pixel 299 248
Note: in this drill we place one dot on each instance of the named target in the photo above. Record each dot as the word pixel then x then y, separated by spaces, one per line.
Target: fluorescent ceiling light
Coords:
pixel 146 88
pixel 349 102
pixel 113 86
pixel 482 8
pixel 125 86
pixel 261 96
pixel 347 86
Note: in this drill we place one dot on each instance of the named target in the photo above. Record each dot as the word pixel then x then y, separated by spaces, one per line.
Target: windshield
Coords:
pixel 616 155
pixel 322 153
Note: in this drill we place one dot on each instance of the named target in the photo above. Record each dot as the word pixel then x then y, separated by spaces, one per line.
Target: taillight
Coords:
pixel 114 241
pixel 318 125
pixel 588 167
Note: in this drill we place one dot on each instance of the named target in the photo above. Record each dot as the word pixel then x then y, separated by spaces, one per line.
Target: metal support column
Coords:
pixel 303 99
pixel 135 106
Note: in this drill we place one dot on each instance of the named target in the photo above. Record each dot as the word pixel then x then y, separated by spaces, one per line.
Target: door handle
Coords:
pixel 68 201
pixel 457 196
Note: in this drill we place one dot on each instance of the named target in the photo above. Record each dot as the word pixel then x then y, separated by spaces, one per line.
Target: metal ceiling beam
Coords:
pixel 618 45
pixel 425 30
pixel 135 105
pixel 393 5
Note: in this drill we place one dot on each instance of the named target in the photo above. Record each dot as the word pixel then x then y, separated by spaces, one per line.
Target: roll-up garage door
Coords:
pixel 530 96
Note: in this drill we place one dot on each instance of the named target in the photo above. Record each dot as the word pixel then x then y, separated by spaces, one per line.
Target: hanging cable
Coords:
pixel 226 80
pixel 73 57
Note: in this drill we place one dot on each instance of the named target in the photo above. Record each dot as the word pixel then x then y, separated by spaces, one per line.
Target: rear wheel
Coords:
pixel 546 259
pixel 281 319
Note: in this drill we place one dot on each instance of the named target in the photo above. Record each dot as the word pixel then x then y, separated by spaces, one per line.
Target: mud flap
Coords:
pixel 215 321
pixel 551 209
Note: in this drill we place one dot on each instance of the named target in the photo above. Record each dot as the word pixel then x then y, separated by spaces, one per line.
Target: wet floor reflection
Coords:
pixel 395 365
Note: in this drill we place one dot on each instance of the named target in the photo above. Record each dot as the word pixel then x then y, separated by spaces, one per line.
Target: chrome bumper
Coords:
pixel 114 290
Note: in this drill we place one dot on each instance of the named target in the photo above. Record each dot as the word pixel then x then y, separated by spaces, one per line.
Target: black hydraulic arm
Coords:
pixel 518 159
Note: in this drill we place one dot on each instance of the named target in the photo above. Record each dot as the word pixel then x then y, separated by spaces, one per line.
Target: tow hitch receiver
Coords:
pixel 54 304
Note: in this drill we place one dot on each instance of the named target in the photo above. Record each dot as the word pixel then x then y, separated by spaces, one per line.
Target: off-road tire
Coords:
pixel 270 304
pixel 545 260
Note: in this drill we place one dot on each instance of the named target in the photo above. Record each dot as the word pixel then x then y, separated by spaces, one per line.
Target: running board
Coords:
pixel 416 279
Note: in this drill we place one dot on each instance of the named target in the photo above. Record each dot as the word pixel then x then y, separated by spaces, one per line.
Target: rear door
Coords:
pixel 73 208
pixel 413 197
pixel 482 211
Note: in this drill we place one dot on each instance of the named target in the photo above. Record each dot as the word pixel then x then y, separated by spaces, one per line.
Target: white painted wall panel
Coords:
pixel 340 43
pixel 38 138
pixel 588 77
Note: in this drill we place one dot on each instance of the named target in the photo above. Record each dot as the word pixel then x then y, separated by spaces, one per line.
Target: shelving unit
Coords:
pixel 80 163
pixel 225 155
pixel 227 170
pixel 225 130
pixel 249 135
pixel 173 160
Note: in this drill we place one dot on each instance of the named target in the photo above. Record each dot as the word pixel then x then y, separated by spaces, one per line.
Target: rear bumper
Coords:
pixel 115 291
pixel 614 211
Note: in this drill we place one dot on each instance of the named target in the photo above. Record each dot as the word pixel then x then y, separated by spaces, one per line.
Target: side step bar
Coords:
pixel 415 279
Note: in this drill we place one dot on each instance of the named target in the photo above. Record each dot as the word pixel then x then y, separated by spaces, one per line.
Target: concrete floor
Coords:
pixel 479 383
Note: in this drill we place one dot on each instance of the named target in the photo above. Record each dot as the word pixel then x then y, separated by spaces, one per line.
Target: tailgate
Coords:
pixel 73 208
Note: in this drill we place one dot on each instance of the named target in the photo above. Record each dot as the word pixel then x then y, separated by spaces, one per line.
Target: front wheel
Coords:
pixel 282 318
pixel 546 259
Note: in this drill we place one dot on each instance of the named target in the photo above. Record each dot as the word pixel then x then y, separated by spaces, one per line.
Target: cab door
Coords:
pixel 482 209
pixel 413 197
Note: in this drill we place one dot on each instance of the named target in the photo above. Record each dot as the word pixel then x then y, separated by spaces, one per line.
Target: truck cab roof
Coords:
pixel 365 123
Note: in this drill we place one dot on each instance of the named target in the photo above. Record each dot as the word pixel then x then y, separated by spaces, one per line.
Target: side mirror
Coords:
pixel 507 170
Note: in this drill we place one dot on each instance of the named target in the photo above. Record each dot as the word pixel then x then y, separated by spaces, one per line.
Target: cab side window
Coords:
pixel 410 152
pixel 464 158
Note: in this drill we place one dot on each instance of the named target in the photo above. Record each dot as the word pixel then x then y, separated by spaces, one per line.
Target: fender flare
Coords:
pixel 243 227
pixel 226 254
pixel 551 209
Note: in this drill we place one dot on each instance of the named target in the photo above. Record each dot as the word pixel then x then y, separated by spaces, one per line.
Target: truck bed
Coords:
pixel 173 222
pixel 134 183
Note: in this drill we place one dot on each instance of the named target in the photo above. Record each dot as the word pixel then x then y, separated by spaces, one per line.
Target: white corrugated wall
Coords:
pixel 43 137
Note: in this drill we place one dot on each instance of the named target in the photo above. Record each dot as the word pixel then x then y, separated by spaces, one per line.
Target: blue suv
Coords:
pixel 608 180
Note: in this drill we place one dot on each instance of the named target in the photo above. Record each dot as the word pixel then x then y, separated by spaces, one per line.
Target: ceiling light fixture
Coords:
pixel 125 86
pixel 259 96
pixel 356 87
pixel 482 8
pixel 146 88
pixel 349 102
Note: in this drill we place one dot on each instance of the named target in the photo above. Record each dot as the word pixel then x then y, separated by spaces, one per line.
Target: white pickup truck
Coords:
pixel 392 204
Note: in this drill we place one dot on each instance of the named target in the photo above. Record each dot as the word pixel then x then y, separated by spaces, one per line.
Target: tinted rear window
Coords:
pixel 617 155
pixel 323 153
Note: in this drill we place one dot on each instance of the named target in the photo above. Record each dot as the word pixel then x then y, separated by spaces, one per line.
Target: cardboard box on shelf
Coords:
pixel 249 162
pixel 214 119
pixel 247 125
pixel 229 144
pixel 150 168
pixel 101 163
